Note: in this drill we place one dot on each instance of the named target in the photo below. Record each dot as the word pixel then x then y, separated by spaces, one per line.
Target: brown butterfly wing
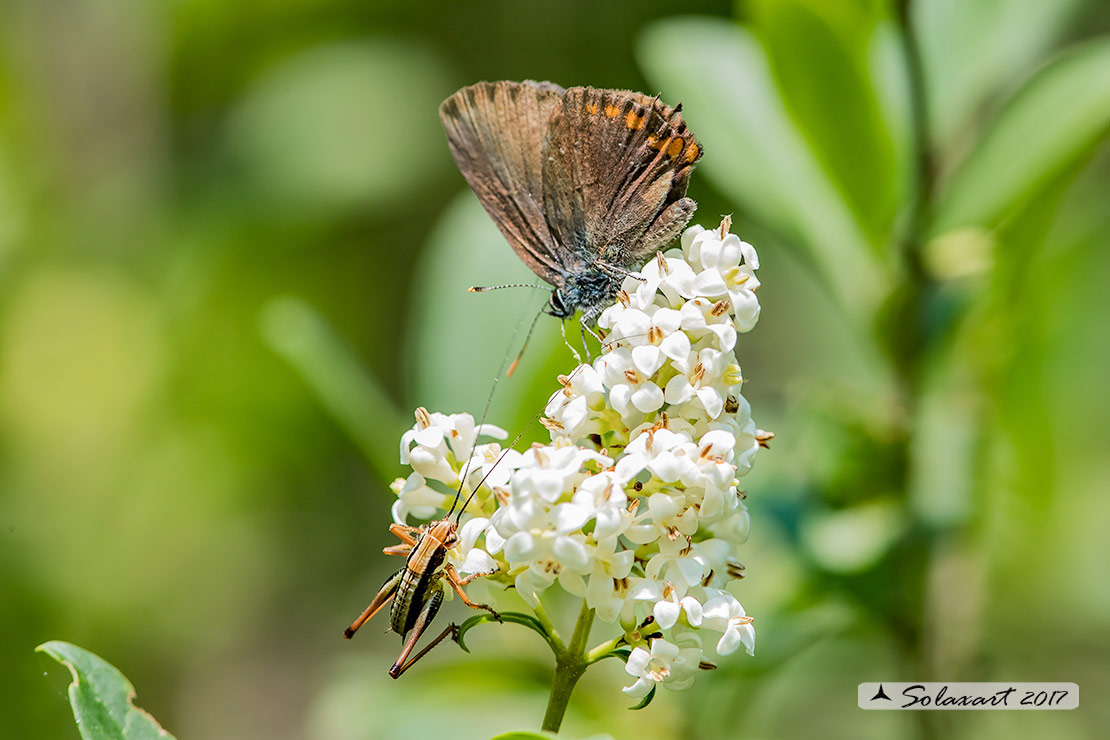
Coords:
pixel 496 131
pixel 615 174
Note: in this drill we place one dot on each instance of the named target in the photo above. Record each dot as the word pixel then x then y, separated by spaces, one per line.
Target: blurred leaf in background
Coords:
pixel 932 162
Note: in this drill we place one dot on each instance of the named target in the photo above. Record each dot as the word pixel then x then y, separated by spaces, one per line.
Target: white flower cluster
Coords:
pixel 634 505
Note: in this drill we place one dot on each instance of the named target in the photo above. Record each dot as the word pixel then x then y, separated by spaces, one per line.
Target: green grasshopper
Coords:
pixel 417 588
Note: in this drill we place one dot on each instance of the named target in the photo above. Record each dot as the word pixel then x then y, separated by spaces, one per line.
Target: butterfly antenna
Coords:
pixel 488 288
pixel 528 336
pixel 489 399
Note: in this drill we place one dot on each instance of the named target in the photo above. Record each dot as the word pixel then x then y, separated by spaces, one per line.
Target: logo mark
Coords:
pixel 880 694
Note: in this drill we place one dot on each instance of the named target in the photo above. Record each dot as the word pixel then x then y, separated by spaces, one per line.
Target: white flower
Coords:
pixel 415 498
pixel 439 435
pixel 678 563
pixel 575 407
pixel 661 284
pixel 667 604
pixel 603 496
pixel 466 556
pixel 490 466
pixel 667 518
pixel 539 557
pixel 608 587
pixel 547 471
pixel 723 613
pixel 631 392
pixel 707 377
pixel 703 318
pixel 729 267
pixel 665 663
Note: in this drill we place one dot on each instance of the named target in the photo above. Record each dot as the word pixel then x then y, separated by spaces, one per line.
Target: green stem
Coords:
pixel 569 667
pixel 557 643
pixel 926 165
pixel 600 651
pixel 910 354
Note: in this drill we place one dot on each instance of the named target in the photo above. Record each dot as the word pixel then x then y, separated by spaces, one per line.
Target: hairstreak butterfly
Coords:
pixel 584 183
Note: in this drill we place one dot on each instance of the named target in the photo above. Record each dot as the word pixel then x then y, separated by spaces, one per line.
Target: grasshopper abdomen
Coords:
pixel 415 588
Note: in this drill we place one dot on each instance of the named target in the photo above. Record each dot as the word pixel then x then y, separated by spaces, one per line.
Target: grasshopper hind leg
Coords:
pixel 385 593
pixel 427 614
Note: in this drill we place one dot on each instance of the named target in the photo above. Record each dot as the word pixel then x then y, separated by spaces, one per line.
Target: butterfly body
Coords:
pixel 584 183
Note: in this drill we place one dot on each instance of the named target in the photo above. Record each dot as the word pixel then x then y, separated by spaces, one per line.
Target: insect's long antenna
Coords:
pixel 607 347
pixel 501 457
pixel 488 288
pixel 528 336
pixel 489 400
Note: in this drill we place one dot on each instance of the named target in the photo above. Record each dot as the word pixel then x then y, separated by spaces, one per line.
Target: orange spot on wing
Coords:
pixel 653 142
pixel 634 120
pixel 674 148
pixel 591 108
pixel 692 152
pixel 612 111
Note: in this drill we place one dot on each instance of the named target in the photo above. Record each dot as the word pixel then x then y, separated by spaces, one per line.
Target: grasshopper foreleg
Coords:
pixel 388 589
pixel 404 532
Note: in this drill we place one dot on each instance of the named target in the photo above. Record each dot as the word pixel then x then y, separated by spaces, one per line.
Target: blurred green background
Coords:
pixel 233 257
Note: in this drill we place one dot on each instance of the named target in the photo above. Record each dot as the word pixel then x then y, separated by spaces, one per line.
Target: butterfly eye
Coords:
pixel 558 307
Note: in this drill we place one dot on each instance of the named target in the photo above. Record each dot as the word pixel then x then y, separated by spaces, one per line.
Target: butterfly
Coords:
pixel 584 183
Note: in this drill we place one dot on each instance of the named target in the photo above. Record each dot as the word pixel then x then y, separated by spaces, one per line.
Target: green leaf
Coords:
pixel 821 55
pixel 352 396
pixel 1059 115
pixel 101 697
pixel 646 700
pixel 514 617
pixel 754 151
pixel 973 51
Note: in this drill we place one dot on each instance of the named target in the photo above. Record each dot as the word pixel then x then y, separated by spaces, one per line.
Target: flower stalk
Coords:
pixel 569 667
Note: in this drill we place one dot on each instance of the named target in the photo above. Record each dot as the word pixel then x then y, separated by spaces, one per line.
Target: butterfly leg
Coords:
pixel 573 351
pixel 619 271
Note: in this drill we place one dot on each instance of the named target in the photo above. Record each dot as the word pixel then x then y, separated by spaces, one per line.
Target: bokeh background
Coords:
pixel 233 258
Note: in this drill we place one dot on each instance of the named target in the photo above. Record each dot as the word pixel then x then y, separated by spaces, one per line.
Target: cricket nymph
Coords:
pixel 417 588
